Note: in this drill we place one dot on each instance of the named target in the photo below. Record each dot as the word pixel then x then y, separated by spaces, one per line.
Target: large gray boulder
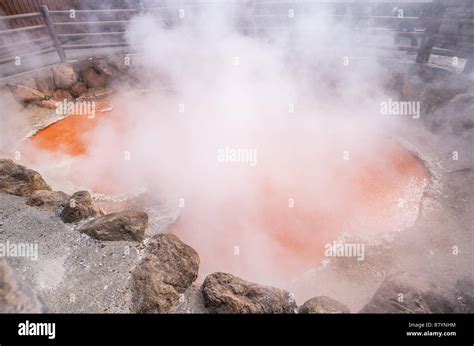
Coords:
pixel 168 269
pixel 48 200
pixel 190 302
pixel 45 82
pixel 322 305
pixel 77 89
pixel 103 67
pixel 226 293
pixel 410 293
pixel 19 180
pixel 465 293
pixel 94 79
pixel 126 225
pixel 15 297
pixel 64 76
pixel 25 93
pixel 80 206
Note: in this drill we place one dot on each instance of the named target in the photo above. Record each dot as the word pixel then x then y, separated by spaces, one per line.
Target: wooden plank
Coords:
pixel 85 34
pixel 25 15
pixel 105 22
pixel 25 43
pixel 19 30
pixel 113 10
pixel 95 45
pixel 40 52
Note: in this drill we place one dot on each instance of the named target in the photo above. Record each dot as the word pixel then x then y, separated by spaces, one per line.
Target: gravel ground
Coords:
pixel 73 273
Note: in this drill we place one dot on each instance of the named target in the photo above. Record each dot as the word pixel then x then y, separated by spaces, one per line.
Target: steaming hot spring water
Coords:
pixel 268 215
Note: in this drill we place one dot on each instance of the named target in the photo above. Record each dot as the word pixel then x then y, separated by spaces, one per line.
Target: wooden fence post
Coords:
pixel 52 32
pixel 469 67
pixel 141 9
pixel 433 21
pixel 249 11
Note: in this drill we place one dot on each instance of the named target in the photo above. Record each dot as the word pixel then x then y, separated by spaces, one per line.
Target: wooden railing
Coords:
pixel 424 28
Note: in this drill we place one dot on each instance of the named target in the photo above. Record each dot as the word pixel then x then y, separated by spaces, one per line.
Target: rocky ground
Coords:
pixel 73 272
pixel 125 262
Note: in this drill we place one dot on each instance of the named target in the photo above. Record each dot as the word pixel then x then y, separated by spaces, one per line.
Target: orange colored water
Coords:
pixel 366 202
pixel 229 239
pixel 68 135
pixel 71 136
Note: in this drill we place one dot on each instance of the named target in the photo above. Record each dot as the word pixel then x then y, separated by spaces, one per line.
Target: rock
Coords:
pixel 412 89
pixel 45 82
pixel 191 302
pixel 25 94
pixel 82 65
pixel 94 79
pixel 64 76
pixel 460 117
pixel 19 180
pixel 168 269
pixel 225 293
pixel 118 62
pixel 468 134
pixel 465 293
pixel 14 296
pixel 77 89
pixel 409 293
pixel 29 82
pixel 51 104
pixel 61 95
pixel 80 206
pixel 124 225
pixel 102 66
pixel 48 200
pixel 322 305
pixel 454 117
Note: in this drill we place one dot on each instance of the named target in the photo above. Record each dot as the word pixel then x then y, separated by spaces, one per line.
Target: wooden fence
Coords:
pixel 441 27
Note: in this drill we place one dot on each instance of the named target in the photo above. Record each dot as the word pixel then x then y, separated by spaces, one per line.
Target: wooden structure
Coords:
pixel 442 27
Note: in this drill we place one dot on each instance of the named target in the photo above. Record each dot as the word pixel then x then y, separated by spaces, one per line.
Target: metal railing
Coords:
pixel 64 36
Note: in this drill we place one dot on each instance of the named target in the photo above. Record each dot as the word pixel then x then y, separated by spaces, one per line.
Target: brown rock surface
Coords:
pixel 61 95
pixel 14 296
pixel 64 76
pixel 51 104
pixel 168 269
pixel 80 206
pixel 410 293
pixel 47 200
pixel 322 305
pixel 103 67
pixel 45 82
pixel 125 225
pixel 25 94
pixel 94 79
pixel 226 293
pixel 77 89
pixel 19 180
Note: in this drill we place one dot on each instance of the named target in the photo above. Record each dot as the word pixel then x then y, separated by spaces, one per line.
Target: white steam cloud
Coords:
pixel 299 99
